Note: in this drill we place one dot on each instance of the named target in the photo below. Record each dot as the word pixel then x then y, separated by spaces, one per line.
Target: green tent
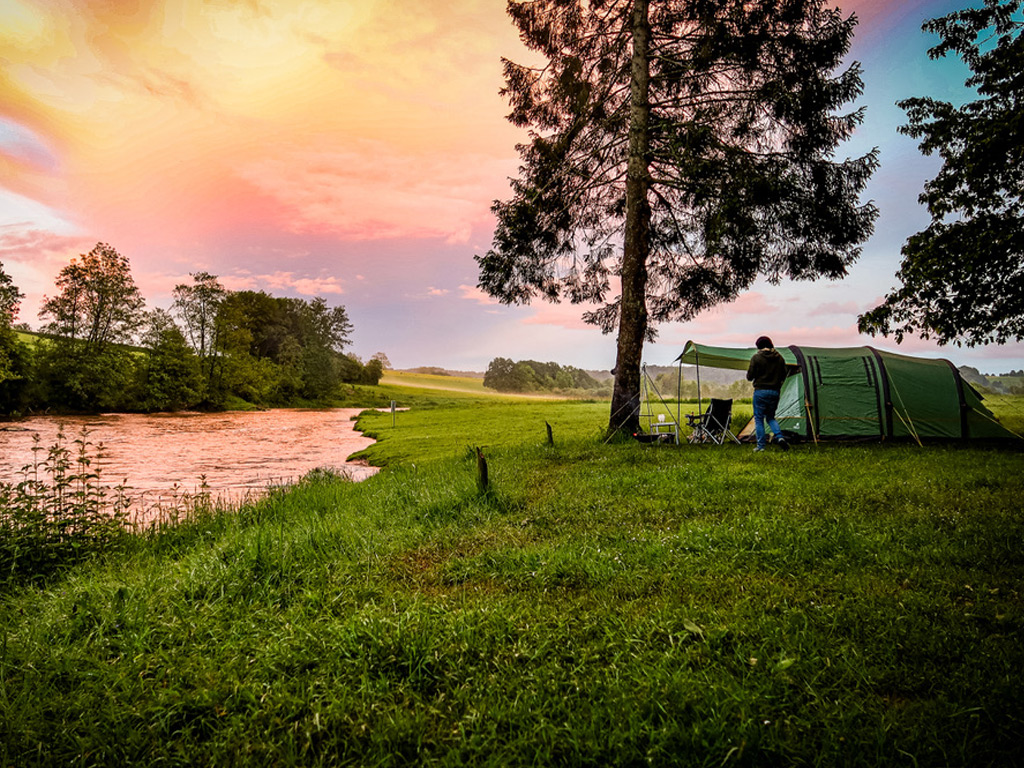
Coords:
pixel 862 392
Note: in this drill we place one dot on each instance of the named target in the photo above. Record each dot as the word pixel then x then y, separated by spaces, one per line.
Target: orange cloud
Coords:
pixel 376 119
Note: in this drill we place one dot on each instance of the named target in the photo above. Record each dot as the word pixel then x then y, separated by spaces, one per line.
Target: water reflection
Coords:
pixel 238 453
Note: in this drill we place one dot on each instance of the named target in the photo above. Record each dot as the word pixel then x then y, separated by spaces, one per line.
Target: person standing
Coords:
pixel 767 371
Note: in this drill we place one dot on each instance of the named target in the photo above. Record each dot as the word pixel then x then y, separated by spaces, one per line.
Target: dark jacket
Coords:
pixel 767 369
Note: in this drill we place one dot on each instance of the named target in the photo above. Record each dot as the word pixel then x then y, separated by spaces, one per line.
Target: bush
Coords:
pixel 354 372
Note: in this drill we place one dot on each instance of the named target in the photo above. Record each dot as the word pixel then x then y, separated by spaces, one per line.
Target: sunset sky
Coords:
pixel 351 149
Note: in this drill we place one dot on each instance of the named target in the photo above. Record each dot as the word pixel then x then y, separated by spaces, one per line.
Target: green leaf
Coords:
pixel 692 628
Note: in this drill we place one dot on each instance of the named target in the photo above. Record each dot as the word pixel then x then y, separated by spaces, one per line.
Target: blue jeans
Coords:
pixel 765 403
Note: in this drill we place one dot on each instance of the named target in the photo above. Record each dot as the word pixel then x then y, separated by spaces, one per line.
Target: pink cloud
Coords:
pixel 26 245
pixel 749 303
pixel 715 323
pixel 33 258
pixel 472 293
pixel 835 308
pixel 318 287
pixel 374 190
pixel 563 315
pixel 283 281
pixel 718 331
pixel 239 282
pixel 719 325
pixel 824 336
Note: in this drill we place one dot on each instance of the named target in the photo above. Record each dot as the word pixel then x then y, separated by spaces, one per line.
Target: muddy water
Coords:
pixel 236 454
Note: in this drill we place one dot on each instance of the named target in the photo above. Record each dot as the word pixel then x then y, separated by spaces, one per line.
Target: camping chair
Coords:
pixel 712 426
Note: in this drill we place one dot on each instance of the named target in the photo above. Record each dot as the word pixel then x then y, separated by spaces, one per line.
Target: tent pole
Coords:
pixel 679 394
pixel 700 401
pixel 645 397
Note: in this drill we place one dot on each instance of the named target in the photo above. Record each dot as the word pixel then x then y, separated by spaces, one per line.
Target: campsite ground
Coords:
pixel 599 604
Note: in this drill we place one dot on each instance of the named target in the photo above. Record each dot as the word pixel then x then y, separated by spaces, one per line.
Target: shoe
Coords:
pixel 783 445
pixel 759 449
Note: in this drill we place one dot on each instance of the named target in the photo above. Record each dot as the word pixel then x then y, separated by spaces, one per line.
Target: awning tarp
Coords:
pixel 725 357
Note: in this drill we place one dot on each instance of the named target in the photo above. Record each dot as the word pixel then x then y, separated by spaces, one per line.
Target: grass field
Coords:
pixel 464 384
pixel 438 382
pixel 599 604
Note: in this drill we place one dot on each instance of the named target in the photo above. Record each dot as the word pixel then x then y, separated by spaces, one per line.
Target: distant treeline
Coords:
pixel 526 376
pixel 714 382
pixel 99 349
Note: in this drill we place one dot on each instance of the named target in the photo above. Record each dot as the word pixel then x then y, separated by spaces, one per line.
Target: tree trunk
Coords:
pixel 625 409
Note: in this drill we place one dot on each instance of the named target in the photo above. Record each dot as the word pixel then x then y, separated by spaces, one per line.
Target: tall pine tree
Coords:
pixel 684 147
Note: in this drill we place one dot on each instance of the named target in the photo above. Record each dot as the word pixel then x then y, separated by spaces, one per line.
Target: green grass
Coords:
pixel 32 339
pixel 430 433
pixel 466 385
pixel 433 381
pixel 1009 409
pixel 601 604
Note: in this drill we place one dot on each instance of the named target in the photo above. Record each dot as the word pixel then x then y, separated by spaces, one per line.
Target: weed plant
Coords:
pixel 59 513
pixel 599 604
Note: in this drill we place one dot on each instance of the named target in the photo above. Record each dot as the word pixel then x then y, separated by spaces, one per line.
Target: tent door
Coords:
pixel 847 396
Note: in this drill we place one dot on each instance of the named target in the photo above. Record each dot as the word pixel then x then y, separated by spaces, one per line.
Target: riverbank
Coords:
pixel 600 604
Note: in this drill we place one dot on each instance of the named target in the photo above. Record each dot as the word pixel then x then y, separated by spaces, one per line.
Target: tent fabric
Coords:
pixel 862 392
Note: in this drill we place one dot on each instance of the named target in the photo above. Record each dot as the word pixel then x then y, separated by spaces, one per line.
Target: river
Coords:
pixel 160 456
